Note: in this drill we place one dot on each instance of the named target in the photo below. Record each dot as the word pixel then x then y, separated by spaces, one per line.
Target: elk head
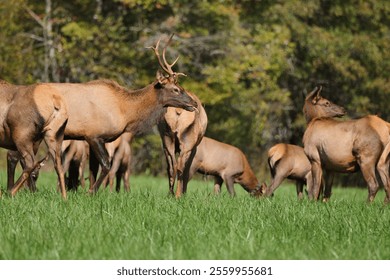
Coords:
pixel 318 107
pixel 259 191
pixel 170 92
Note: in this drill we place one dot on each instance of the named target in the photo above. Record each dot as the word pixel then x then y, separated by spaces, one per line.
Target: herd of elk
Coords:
pixel 64 117
pixel 181 132
pixel 227 164
pixel 71 111
pixel 345 145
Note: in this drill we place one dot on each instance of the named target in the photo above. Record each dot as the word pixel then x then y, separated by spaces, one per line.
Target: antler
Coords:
pixel 164 64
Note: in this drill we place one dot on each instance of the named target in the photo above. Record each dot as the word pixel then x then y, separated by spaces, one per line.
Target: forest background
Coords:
pixel 250 62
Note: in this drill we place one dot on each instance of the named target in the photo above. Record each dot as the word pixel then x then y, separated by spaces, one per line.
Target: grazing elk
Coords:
pixel 226 163
pixel 181 132
pixel 28 115
pixel 117 110
pixel 345 146
pixel 119 152
pixel 289 161
pixel 13 157
pixel 75 154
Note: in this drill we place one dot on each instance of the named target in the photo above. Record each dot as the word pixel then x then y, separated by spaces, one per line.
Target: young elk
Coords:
pixel 120 156
pixel 226 163
pixel 345 146
pixel 289 161
pixel 181 132
pixel 28 115
pixel 75 154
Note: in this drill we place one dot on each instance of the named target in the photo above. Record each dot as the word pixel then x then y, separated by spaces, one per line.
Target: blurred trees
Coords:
pixel 250 62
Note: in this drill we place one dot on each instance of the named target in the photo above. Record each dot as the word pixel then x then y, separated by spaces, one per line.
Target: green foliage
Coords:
pixel 250 62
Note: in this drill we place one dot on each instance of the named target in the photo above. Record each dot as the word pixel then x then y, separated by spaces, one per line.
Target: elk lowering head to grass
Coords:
pixel 227 164
pixel 345 146
pixel 28 115
pixel 181 132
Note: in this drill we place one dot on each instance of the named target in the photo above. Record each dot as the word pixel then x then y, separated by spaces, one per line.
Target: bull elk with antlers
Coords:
pixel 345 146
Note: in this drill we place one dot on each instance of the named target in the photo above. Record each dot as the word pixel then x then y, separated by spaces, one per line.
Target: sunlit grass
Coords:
pixel 148 224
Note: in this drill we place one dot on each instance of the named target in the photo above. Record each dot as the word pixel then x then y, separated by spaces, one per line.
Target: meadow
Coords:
pixel 148 224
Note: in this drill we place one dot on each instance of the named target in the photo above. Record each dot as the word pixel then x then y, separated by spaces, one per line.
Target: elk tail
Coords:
pixel 274 155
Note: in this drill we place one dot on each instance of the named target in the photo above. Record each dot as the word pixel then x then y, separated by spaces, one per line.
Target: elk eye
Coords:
pixel 176 90
pixel 327 103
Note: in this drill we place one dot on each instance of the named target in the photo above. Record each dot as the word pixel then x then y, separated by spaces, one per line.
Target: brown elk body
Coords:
pixel 100 111
pixel 119 152
pixel 181 132
pixel 28 115
pixel 75 154
pixel 227 164
pixel 345 146
pixel 289 161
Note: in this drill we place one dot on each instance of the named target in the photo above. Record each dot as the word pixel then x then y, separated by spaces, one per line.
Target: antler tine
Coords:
pixel 155 49
pixel 169 66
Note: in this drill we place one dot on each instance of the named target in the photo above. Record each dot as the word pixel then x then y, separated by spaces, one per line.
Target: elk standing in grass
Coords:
pixel 119 152
pixel 345 146
pixel 227 164
pixel 75 154
pixel 117 110
pixel 181 132
pixel 28 115
pixel 289 161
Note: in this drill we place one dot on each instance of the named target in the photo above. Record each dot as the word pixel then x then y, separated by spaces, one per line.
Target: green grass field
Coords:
pixel 148 224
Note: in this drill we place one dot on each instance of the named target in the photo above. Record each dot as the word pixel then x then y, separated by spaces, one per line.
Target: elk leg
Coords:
pixel 101 154
pixel 169 151
pixel 299 188
pixel 326 185
pixel 368 171
pixel 229 181
pixel 13 158
pixel 53 141
pixel 114 170
pixel 29 166
pixel 126 177
pixel 81 171
pixel 73 175
pixel 183 169
pixel 383 170
pixel 218 181
pixel 93 167
pixel 317 176
pixel 276 181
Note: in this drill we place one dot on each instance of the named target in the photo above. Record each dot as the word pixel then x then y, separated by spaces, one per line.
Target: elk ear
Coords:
pixel 161 79
pixel 314 96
